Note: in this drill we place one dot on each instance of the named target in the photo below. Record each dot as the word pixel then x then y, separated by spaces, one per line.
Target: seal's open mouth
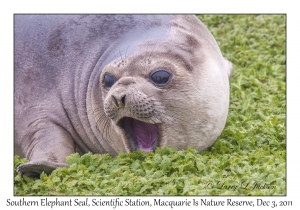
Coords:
pixel 141 135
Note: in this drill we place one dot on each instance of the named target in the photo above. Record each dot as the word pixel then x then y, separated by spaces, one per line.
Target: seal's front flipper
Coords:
pixel 46 146
pixel 35 168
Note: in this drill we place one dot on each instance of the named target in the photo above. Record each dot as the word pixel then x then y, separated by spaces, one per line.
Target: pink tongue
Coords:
pixel 144 133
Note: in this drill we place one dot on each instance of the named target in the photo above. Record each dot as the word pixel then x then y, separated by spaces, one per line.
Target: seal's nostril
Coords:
pixel 123 99
pixel 114 100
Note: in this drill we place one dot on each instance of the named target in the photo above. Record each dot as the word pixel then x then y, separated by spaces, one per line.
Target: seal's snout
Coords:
pixel 129 103
pixel 132 112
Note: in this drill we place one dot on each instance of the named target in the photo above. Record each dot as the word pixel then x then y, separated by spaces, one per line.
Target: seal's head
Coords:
pixel 173 91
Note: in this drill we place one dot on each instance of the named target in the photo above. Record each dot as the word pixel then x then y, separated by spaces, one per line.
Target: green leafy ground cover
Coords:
pixel 249 157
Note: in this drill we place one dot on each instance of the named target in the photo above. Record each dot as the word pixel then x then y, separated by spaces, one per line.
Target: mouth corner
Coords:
pixel 139 135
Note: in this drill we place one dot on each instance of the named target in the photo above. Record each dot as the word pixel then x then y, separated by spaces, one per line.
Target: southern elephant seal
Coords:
pixel 114 83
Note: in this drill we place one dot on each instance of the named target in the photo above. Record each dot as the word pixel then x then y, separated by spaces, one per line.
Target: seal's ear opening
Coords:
pixel 229 67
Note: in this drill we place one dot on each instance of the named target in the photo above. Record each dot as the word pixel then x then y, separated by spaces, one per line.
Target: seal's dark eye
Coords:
pixel 108 81
pixel 160 77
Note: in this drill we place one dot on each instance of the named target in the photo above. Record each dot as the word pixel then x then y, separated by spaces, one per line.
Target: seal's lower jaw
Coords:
pixel 140 135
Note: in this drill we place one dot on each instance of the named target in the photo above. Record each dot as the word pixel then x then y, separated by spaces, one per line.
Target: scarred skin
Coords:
pixel 63 107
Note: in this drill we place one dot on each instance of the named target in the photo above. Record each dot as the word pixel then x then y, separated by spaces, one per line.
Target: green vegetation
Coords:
pixel 251 151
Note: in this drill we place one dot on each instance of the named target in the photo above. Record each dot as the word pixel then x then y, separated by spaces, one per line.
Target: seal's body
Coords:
pixel 115 83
